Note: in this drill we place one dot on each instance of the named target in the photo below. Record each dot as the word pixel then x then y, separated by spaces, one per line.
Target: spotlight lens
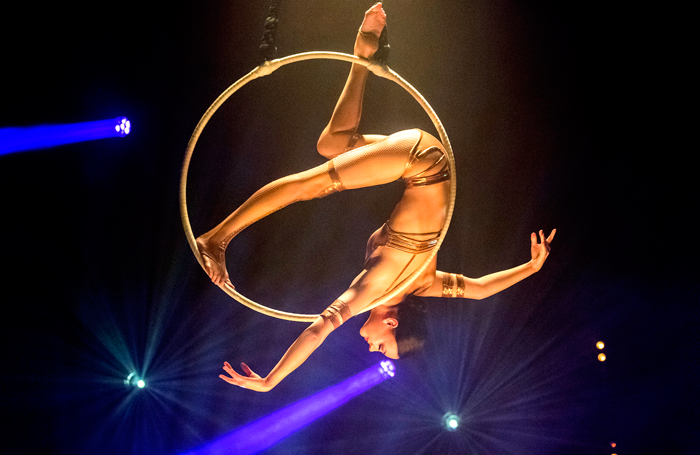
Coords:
pixel 600 345
pixel 141 383
pixel 601 357
pixel 451 422
pixel 123 126
pixel 387 368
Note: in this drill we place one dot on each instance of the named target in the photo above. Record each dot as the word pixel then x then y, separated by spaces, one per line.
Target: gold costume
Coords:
pixel 402 242
pixel 452 285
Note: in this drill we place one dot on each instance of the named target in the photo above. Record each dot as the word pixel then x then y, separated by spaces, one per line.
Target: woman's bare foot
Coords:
pixel 367 41
pixel 214 258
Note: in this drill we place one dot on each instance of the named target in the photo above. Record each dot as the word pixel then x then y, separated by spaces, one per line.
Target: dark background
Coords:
pixel 559 118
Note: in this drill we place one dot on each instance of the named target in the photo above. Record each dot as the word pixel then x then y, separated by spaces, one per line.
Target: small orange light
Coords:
pixel 600 345
pixel 601 357
pixel 613 445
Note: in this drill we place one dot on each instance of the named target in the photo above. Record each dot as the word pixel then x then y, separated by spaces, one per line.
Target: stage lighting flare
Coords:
pixel 133 380
pixel 600 345
pixel 601 357
pixel 613 445
pixel 451 421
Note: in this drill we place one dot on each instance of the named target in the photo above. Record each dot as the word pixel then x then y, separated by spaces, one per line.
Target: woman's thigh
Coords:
pixel 377 163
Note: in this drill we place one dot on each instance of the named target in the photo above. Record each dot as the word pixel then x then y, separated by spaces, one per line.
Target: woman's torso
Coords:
pixel 419 216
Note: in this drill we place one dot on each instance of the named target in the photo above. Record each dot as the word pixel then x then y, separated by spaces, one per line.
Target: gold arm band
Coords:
pixel 447 284
pixel 337 313
pixel 452 285
pixel 460 286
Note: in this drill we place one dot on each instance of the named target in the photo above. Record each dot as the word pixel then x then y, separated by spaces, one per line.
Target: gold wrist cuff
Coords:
pixel 452 285
pixel 337 313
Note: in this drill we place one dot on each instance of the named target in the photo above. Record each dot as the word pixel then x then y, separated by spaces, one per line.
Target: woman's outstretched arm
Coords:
pixel 341 131
pixel 298 352
pixel 364 289
pixel 453 285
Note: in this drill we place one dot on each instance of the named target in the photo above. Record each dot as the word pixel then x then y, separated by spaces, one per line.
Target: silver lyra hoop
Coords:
pixel 264 70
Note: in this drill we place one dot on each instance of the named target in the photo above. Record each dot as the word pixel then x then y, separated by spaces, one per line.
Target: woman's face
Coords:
pixel 378 331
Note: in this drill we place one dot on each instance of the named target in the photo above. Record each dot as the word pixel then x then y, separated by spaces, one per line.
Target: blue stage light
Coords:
pixel 269 430
pixel 38 137
pixel 387 368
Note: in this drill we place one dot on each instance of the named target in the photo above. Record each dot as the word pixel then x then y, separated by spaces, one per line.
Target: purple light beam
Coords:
pixel 38 137
pixel 269 430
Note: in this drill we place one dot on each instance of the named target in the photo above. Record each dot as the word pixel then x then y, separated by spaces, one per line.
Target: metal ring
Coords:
pixel 264 70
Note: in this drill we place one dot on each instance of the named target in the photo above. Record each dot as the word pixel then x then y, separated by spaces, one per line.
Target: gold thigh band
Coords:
pixel 336 185
pixel 352 140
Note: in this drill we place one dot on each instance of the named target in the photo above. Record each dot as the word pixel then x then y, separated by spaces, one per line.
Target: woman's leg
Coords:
pixel 267 200
pixel 374 164
pixel 341 132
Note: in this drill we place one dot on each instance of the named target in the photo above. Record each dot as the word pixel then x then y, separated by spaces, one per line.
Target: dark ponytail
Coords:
pixel 412 329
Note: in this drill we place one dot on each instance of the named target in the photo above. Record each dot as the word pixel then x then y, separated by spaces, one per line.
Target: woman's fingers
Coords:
pixel 533 237
pixel 230 370
pixel 247 369
pixel 228 379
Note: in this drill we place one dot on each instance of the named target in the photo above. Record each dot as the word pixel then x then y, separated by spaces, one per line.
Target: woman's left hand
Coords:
pixel 540 251
pixel 251 381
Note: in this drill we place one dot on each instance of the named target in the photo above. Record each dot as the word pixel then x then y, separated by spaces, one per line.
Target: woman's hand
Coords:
pixel 251 381
pixel 540 251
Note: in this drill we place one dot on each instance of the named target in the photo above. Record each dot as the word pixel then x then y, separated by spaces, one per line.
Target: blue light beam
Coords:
pixel 44 136
pixel 264 433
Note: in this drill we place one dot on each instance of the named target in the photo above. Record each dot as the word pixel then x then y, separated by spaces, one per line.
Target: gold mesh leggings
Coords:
pixel 374 164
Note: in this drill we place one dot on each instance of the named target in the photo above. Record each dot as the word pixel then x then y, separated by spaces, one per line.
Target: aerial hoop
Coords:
pixel 265 69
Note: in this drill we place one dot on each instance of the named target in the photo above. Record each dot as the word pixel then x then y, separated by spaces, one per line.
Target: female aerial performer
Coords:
pixel 394 251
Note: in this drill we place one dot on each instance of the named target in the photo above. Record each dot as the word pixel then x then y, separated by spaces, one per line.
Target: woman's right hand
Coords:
pixel 251 381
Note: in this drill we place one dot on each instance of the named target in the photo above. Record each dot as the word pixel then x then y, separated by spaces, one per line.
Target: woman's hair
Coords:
pixel 412 330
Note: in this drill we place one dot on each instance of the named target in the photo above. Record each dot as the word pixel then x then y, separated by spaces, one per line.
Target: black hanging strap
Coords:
pixel 268 49
pixel 382 54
